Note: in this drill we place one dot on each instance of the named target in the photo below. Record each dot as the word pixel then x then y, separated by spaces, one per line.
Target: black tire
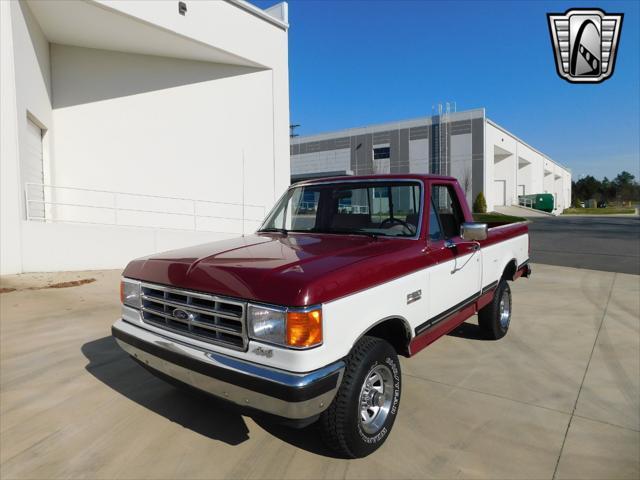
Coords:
pixel 491 319
pixel 341 426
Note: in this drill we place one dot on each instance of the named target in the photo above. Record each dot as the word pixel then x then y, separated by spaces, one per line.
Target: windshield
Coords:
pixel 389 209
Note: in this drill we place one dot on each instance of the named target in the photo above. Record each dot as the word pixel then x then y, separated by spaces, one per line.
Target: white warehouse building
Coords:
pixel 482 155
pixel 134 127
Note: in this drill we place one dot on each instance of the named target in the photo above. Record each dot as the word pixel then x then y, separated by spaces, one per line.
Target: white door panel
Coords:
pixel 456 279
pixel 453 282
pixel 500 189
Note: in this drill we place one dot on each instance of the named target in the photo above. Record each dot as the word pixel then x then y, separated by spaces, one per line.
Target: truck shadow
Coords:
pixel 199 412
pixel 113 367
pixel 307 438
pixel 469 331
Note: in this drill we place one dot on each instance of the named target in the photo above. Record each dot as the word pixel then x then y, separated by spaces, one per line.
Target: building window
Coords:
pixel 382 159
pixel 380 153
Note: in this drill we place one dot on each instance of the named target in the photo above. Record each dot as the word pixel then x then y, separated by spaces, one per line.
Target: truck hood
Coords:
pixel 293 270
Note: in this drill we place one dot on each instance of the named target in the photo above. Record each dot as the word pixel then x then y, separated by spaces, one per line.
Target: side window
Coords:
pixel 435 233
pixel 445 201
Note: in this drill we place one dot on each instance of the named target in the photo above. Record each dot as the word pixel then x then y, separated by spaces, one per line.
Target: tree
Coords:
pixel 480 204
pixel 624 178
pixel 623 187
pixel 466 181
pixel 587 187
pixel 606 190
pixel 626 187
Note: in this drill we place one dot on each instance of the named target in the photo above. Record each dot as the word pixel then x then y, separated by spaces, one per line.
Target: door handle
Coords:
pixel 471 247
pixel 449 244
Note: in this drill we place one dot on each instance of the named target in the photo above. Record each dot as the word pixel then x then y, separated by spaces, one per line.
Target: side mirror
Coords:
pixel 471 231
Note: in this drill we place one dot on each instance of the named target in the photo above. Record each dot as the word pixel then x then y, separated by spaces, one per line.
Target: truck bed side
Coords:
pixel 506 247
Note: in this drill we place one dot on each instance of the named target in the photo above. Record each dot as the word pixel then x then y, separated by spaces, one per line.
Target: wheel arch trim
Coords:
pixel 405 324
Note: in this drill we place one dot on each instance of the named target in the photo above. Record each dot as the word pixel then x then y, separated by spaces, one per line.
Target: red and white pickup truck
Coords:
pixel 305 319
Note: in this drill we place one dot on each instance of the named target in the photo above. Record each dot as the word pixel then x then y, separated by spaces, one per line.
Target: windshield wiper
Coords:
pixel 358 232
pixel 283 231
pixel 347 232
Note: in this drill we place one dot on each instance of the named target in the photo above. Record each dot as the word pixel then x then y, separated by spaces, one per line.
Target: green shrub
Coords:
pixel 480 204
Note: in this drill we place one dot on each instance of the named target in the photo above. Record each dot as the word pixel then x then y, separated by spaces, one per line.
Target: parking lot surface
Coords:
pixel 558 397
pixel 608 243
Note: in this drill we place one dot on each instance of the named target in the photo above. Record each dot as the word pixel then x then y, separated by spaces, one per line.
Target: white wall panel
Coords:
pixel 327 161
pixel 53 247
pixel 419 155
pixel 460 166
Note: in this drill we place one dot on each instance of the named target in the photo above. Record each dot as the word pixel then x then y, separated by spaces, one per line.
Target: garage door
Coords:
pixel 32 171
pixel 500 190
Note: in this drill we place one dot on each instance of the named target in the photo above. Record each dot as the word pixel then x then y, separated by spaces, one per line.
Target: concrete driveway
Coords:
pixel 557 398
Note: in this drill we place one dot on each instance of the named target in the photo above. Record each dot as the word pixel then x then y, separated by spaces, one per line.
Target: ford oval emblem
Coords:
pixel 181 314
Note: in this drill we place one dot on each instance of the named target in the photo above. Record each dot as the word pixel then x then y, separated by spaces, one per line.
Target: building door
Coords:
pixel 33 171
pixel 500 187
pixel 520 190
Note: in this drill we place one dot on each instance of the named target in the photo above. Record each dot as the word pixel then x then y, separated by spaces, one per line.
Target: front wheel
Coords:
pixel 361 416
pixel 494 318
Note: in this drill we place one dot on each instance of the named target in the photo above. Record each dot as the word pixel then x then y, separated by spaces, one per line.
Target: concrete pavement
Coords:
pixel 558 397
pixel 517 211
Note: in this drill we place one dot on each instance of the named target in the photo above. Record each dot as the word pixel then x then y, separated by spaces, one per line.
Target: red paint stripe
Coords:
pixel 444 327
pixel 485 299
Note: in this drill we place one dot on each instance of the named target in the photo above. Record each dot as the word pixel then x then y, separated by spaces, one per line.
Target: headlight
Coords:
pixel 266 324
pixel 130 293
pixel 289 328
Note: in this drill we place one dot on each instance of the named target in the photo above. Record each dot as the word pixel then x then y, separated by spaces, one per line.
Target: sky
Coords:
pixel 360 62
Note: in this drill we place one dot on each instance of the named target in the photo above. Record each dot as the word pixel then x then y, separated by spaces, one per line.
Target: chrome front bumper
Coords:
pixel 277 392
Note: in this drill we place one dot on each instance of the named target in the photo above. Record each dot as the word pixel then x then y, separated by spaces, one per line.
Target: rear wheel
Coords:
pixel 361 416
pixel 494 318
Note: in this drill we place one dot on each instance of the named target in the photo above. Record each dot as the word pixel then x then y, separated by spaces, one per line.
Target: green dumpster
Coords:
pixel 539 201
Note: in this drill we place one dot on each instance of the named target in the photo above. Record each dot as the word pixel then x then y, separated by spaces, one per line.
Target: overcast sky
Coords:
pixel 355 63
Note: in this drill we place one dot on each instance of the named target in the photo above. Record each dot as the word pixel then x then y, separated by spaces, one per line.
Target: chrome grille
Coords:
pixel 206 317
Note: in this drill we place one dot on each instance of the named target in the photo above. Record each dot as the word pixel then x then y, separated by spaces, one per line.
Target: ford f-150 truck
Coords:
pixel 305 319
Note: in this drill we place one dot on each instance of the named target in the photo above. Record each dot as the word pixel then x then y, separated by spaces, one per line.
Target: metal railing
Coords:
pixel 53 203
pixel 525 202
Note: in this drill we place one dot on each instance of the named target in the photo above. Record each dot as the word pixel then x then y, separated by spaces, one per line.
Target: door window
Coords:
pixel 435 232
pixel 445 201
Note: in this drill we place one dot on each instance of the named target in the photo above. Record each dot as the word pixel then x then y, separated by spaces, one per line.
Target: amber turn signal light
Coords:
pixel 121 292
pixel 304 329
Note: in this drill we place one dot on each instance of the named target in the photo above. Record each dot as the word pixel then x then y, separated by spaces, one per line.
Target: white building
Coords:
pixel 134 127
pixel 482 155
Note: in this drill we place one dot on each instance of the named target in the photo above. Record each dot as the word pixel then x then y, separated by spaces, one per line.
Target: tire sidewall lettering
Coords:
pixel 395 371
pixel 396 384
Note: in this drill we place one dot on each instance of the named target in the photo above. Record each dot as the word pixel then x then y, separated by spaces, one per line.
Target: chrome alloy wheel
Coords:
pixel 505 309
pixel 376 396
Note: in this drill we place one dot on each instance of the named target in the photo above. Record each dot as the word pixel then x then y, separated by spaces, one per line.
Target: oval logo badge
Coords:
pixel 181 314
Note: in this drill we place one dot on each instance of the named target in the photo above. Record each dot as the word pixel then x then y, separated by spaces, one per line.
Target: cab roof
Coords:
pixel 356 178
